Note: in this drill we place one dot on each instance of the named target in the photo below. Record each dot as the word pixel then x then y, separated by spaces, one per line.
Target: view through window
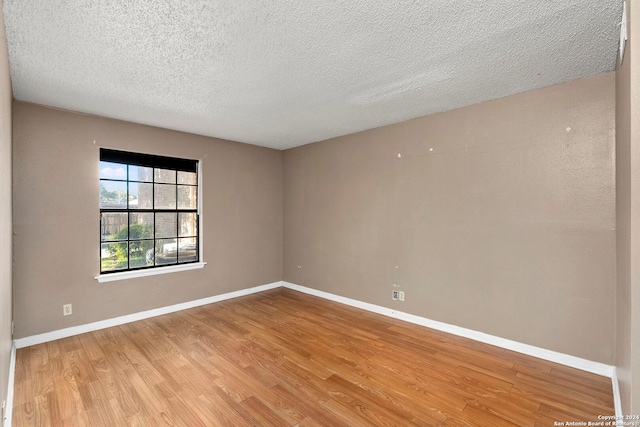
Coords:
pixel 148 211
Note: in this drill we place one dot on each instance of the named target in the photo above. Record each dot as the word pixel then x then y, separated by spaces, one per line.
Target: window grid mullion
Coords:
pixel 177 223
pixel 128 225
pixel 155 213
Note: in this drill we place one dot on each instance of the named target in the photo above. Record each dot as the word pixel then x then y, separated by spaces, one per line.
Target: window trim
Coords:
pixel 143 272
pixel 171 268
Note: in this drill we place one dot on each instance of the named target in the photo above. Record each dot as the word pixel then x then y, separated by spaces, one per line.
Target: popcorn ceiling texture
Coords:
pixel 281 74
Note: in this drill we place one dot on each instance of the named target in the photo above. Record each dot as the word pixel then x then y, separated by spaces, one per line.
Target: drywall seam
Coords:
pixel 102 324
pixel 541 353
pixel 8 413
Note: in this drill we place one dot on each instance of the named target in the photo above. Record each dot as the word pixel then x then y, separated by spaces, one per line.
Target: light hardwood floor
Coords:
pixel 282 358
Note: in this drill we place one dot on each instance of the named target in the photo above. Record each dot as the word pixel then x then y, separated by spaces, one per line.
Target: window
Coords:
pixel 148 211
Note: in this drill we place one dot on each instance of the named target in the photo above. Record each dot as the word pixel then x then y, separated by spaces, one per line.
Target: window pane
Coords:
pixel 153 225
pixel 141 225
pixel 187 197
pixel 140 253
pixel 113 226
pixel 110 170
pixel 113 256
pixel 187 250
pixel 165 196
pixel 188 224
pixel 187 178
pixel 113 195
pixel 140 196
pixel 165 176
pixel 140 173
pixel 166 252
pixel 166 224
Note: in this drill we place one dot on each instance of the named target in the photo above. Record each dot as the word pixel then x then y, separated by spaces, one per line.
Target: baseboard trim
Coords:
pixel 102 324
pixel 541 353
pixel 617 402
pixel 8 412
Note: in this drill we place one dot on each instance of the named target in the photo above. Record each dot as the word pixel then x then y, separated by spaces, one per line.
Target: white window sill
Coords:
pixel 148 272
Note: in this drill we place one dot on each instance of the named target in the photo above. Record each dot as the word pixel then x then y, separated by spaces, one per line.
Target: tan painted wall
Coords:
pixel 5 212
pixel 628 219
pixel 506 227
pixel 56 221
pixel 497 217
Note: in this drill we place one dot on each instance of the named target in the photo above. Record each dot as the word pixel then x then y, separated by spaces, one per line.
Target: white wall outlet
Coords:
pixel 394 295
pixel 401 295
pixel 66 309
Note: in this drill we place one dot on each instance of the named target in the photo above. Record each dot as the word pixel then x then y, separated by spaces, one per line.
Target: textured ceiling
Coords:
pixel 280 73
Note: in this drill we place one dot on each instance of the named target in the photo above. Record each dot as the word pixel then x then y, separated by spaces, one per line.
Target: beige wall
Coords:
pixel 56 221
pixel 5 213
pixel 628 219
pixel 498 217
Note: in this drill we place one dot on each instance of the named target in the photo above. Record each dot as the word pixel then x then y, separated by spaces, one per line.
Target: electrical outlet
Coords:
pixel 401 295
pixel 394 295
pixel 66 309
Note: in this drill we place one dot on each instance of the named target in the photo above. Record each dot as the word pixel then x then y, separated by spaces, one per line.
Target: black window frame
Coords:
pixel 156 162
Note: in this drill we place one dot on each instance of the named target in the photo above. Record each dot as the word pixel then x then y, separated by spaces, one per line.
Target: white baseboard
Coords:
pixel 102 324
pixel 617 402
pixel 8 412
pixel 541 353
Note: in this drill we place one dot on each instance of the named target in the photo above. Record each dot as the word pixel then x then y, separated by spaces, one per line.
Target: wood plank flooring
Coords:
pixel 282 358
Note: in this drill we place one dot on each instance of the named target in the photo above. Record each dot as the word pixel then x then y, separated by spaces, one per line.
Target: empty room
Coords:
pixel 320 213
